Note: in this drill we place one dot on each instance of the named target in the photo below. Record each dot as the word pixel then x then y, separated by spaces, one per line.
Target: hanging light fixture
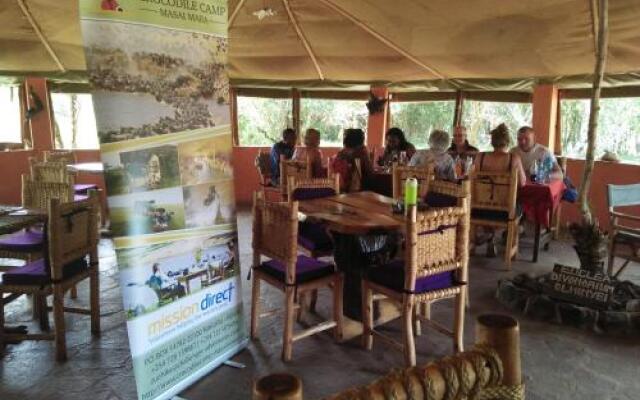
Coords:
pixel 265 12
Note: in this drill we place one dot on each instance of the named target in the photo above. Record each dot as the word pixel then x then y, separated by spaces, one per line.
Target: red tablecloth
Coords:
pixel 540 200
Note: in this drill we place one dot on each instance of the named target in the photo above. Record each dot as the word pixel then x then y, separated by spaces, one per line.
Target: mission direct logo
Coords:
pixel 190 313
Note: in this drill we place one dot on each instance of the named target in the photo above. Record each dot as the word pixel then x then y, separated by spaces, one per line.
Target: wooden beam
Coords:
pixel 38 31
pixel 382 38
pixel 295 102
pixel 457 114
pixel 233 106
pixel 593 7
pixel 601 58
pixel 303 38
pixel 235 12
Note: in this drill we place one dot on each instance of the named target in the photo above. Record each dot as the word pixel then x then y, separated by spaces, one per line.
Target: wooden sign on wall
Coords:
pixel 580 286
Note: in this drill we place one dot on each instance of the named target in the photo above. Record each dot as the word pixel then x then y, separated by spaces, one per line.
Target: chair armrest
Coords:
pixel 624 216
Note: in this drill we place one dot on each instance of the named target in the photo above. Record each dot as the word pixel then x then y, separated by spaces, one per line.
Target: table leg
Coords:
pixel 536 242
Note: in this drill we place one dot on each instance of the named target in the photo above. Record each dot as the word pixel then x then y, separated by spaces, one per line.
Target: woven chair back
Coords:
pixel 495 191
pixel 50 171
pixel 72 231
pixel 424 176
pixel 275 232
pixel 61 156
pixel 438 241
pixel 293 168
pixel 37 194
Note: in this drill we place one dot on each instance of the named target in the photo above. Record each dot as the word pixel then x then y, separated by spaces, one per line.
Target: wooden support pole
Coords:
pixel 457 116
pixel 502 333
pixel 278 387
pixel 601 57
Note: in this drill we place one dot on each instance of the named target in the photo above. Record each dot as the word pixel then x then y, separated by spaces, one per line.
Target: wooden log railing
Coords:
pixel 491 370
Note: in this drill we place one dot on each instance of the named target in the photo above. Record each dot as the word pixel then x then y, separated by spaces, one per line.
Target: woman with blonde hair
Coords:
pixel 500 159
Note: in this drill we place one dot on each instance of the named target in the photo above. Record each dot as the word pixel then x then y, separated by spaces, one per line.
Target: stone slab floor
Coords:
pixel 558 362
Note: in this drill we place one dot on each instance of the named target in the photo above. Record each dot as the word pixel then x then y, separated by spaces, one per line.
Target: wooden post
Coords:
pixel 502 333
pixel 297 124
pixel 278 387
pixel 601 56
pixel 233 106
pixel 457 116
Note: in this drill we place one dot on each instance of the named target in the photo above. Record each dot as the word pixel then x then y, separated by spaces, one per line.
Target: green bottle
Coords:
pixel 410 192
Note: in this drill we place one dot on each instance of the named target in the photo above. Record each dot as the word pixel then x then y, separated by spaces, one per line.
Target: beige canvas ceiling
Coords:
pixel 428 43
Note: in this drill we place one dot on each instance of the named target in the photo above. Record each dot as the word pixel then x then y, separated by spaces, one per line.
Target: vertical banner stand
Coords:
pixel 158 71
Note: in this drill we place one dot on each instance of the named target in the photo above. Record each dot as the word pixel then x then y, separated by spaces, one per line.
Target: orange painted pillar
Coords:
pixel 377 125
pixel 545 108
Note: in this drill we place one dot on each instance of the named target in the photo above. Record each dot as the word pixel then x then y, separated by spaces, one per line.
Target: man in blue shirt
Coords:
pixel 285 148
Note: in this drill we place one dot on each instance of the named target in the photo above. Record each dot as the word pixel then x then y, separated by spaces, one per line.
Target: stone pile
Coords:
pixel 525 293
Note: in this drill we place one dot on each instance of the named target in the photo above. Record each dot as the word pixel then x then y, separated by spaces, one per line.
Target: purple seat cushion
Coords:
pixel 314 237
pixel 80 197
pixel 25 240
pixel 307 269
pixel 391 275
pixel 83 188
pixel 38 273
pixel 312 193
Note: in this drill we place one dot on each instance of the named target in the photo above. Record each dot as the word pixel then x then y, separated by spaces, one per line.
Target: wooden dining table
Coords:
pixel 362 225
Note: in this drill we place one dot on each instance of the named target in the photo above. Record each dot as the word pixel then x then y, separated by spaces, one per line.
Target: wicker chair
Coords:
pixel 295 169
pixel 267 186
pixel 400 174
pixel 313 237
pixel 50 171
pixel 72 232
pixel 493 204
pixel 448 194
pixel 66 158
pixel 275 231
pixel 27 244
pixel 624 239
pixel 434 267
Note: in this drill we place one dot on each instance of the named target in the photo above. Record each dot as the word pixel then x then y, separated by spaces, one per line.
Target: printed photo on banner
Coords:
pixel 156 84
pixel 209 204
pixel 142 170
pixel 147 212
pixel 155 275
pixel 205 160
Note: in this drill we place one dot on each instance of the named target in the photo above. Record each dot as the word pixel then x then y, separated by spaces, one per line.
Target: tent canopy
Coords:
pixel 434 44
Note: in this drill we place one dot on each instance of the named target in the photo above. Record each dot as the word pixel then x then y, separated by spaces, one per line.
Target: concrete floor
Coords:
pixel 558 362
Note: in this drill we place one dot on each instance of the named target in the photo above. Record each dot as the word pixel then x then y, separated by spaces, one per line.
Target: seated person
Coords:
pixel 285 148
pixel 395 144
pixel 444 166
pixel 460 146
pixel 500 159
pixel 311 151
pixel 344 162
pixel 529 152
